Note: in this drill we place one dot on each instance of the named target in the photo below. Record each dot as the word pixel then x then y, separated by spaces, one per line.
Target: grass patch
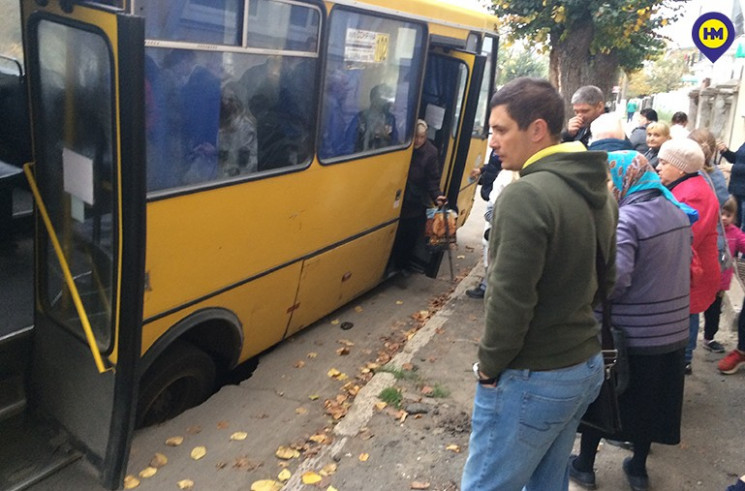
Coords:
pixel 439 392
pixel 391 396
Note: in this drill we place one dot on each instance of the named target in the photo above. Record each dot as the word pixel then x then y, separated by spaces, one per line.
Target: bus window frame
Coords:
pixel 491 76
pixel 44 246
pixel 326 161
pixel 172 192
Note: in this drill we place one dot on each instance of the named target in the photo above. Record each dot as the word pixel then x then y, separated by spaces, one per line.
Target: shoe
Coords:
pixel 477 292
pixel 637 483
pixel 688 369
pixel 585 480
pixel 732 362
pixel 713 346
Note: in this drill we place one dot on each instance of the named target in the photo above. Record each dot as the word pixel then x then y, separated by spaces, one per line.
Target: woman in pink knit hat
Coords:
pixel 681 160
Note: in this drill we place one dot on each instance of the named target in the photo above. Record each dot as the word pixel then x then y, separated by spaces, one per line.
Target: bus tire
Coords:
pixel 181 378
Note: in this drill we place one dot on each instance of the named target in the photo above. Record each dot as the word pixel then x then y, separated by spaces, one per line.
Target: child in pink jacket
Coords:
pixel 736 242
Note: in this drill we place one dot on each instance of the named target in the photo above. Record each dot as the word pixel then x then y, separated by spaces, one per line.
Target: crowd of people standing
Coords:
pixel 676 224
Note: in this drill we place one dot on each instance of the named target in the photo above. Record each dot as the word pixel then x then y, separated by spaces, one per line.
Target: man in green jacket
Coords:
pixel 539 358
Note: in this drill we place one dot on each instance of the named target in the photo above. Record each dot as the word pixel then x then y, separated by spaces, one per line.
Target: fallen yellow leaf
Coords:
pixel 344 350
pixel 363 457
pixel 148 472
pixel 380 405
pixel 185 484
pixel 239 436
pixel 299 364
pixel 312 354
pixel 453 448
pixel 313 397
pixel 461 256
pixel 287 453
pixel 318 438
pixel 266 485
pixel 311 477
pixel 175 441
pixel 158 461
pixel 419 485
pixel 131 482
pixel 358 308
pixel 284 475
pixel 301 410
pixel 333 373
pixel 399 302
pixel 335 321
pixel 331 488
pixel 198 452
pixel 328 469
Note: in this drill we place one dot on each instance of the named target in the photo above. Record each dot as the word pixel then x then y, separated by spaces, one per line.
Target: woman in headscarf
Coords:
pixel 650 305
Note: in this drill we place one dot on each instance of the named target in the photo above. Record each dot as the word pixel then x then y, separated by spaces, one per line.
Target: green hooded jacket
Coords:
pixel 542 279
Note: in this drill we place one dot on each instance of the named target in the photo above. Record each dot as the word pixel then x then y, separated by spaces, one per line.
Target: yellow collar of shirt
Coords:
pixel 568 147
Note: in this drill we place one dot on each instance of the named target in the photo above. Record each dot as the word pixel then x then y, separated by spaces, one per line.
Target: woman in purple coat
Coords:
pixel 650 304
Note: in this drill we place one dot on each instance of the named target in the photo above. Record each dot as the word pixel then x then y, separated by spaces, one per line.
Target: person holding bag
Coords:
pixel 650 305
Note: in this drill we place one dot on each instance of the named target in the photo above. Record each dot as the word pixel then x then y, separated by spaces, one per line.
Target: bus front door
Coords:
pixel 86 88
pixel 449 104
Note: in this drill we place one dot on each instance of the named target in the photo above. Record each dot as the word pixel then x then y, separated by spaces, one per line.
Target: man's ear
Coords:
pixel 538 130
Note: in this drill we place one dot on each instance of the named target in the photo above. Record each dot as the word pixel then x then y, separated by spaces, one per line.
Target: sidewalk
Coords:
pixel 425 445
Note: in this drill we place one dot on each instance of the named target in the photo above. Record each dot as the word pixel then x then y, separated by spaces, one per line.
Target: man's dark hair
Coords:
pixel 649 113
pixel 680 118
pixel 527 99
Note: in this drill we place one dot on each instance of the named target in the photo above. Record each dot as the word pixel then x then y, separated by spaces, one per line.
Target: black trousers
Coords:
pixel 711 317
pixel 410 229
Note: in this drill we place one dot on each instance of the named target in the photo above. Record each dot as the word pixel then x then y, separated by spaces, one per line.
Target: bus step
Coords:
pixel 12 397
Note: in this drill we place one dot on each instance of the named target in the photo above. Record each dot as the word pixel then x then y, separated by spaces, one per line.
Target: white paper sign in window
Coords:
pixel 77 173
pixel 366 46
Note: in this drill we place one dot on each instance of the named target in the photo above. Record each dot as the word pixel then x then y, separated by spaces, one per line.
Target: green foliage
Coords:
pixel 662 75
pixel 438 392
pixel 391 396
pixel 624 27
pixel 514 63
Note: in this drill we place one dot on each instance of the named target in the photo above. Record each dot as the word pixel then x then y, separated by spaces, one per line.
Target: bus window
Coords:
pixel 214 115
pixel 10 29
pixel 480 126
pixel 372 74
pixel 79 176
pixel 197 21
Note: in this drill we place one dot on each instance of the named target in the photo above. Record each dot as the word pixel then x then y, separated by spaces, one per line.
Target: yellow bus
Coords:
pixel 211 178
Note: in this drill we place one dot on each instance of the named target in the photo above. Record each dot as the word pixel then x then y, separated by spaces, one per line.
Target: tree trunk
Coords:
pixel 574 55
pixel 553 60
pixel 605 70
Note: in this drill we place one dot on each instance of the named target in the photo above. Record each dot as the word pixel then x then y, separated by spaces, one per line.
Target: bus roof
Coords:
pixel 434 11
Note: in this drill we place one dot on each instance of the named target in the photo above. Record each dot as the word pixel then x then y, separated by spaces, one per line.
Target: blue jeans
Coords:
pixel 692 336
pixel 523 429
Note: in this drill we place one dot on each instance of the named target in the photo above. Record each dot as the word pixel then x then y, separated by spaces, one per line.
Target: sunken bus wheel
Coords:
pixel 183 377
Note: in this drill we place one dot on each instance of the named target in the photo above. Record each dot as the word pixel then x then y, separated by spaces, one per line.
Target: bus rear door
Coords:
pixel 449 104
pixel 86 88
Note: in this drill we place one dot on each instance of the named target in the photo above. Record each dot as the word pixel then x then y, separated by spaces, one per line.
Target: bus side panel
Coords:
pixel 262 305
pixel 332 279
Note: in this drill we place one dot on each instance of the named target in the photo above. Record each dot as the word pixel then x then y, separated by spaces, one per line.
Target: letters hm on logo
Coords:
pixel 713 34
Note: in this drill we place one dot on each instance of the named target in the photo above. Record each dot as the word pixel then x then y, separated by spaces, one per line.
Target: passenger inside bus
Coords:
pixel 237 151
pixel 374 127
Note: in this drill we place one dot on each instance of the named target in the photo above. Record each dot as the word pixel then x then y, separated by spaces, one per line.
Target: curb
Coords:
pixel 362 409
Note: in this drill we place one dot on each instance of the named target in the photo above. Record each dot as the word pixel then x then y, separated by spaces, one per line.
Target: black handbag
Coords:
pixel 604 414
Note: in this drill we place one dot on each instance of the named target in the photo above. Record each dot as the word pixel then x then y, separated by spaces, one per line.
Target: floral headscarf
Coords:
pixel 630 173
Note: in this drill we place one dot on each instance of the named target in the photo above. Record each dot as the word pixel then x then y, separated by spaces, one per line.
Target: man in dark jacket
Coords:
pixel 588 103
pixel 539 358
pixel 638 135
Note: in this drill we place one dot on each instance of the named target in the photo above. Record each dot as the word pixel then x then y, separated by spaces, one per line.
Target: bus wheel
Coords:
pixel 183 377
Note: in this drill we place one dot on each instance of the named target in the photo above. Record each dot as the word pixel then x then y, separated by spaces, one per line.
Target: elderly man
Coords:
pixel 588 103
pixel 539 358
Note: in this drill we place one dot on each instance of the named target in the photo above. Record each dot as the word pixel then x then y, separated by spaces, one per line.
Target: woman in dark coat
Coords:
pixel 650 305
pixel 422 189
